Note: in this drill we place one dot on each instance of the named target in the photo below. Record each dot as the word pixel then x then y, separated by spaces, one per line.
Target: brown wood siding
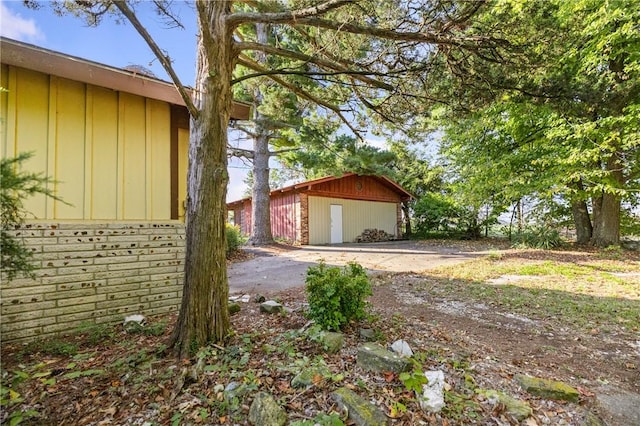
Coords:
pixel 284 214
pixel 179 120
pixel 355 188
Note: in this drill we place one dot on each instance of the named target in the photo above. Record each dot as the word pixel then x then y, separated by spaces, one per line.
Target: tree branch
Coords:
pixel 239 152
pixel 236 19
pixel 282 151
pixel 164 60
pixel 360 75
pixel 434 37
pixel 247 62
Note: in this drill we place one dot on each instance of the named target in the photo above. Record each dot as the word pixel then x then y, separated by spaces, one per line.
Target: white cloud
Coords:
pixel 16 27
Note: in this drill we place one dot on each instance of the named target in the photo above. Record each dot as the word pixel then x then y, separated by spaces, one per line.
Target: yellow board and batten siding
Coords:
pixel 107 153
pixel 357 215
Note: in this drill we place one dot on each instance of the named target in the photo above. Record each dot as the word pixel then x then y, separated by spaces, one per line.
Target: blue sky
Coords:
pixel 110 43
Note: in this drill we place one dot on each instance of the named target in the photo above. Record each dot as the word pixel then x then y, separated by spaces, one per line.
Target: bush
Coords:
pixel 540 237
pixel 234 239
pixel 17 186
pixel 337 296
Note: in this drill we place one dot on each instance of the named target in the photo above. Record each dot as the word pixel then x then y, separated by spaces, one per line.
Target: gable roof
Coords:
pixel 308 185
pixel 47 61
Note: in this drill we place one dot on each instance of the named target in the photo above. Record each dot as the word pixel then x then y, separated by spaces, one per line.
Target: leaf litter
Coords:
pixel 132 379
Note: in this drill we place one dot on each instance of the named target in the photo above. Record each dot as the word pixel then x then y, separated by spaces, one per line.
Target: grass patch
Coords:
pixel 52 347
pixel 587 295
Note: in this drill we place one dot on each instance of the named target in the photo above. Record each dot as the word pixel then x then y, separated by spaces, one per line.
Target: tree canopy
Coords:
pixel 372 61
pixel 559 118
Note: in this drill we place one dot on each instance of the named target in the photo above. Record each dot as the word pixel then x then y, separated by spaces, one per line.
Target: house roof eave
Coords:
pixel 35 58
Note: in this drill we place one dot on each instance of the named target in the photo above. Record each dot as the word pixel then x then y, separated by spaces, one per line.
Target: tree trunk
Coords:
pixel 581 219
pixel 406 210
pixel 260 202
pixel 606 217
pixel 204 315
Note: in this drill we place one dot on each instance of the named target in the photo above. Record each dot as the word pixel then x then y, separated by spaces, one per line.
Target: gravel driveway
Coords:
pixel 278 268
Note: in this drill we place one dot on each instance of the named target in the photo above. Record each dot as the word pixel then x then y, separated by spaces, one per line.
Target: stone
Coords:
pixel 137 318
pixel 432 398
pixel 265 411
pixel 548 389
pixel 134 323
pixel 271 307
pixel 402 348
pixel 360 411
pixel 622 405
pixel 367 334
pixel 309 377
pixel 234 389
pixel 258 298
pixel 373 357
pixel 234 308
pixel 590 419
pixel 243 298
pixel 331 341
pixel 520 410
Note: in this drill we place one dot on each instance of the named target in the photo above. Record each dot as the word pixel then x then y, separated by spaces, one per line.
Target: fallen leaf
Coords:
pixel 389 376
pixel 110 411
pixel 584 391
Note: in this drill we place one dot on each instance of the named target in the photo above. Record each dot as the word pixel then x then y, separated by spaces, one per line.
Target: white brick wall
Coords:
pixel 92 272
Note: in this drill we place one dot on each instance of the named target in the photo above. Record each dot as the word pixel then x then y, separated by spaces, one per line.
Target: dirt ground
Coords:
pixel 604 364
pixel 127 379
pixel 265 271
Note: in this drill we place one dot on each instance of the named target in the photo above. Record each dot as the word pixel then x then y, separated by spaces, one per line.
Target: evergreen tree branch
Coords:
pixel 360 75
pixel 236 19
pixel 247 62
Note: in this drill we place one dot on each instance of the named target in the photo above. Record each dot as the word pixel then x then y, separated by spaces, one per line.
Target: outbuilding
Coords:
pixel 330 210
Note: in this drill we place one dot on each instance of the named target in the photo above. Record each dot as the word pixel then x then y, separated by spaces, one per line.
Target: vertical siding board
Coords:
pixel 104 163
pixel 134 154
pixel 29 131
pixel 88 155
pixel 122 110
pixel 50 141
pixel 183 165
pixel 160 160
pixel 148 190
pixel 70 149
pixel 7 111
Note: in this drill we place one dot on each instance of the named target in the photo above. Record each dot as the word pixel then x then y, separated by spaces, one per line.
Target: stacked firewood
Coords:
pixel 374 235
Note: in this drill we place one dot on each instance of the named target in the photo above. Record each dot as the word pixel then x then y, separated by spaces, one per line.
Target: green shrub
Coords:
pixel 17 185
pixel 541 237
pixel 337 296
pixel 234 239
